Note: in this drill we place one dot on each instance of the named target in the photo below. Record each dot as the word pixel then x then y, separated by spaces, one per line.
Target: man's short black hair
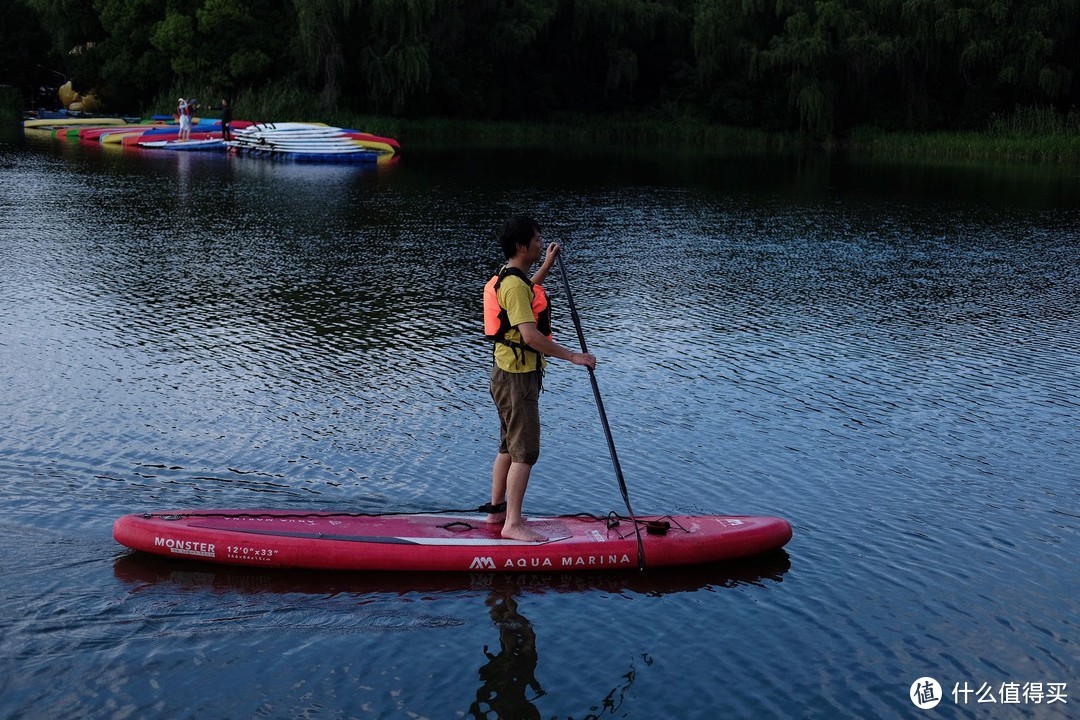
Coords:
pixel 516 232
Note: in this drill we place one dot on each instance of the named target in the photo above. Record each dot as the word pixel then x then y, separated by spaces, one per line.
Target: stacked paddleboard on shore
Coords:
pixel 149 135
pixel 309 141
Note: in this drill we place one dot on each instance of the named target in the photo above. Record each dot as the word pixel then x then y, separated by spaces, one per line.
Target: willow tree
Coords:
pixel 1018 48
pixel 394 61
pixel 371 50
pixel 614 54
pixel 959 62
pixel 321 28
pixel 488 60
pixel 830 52
pixel 726 37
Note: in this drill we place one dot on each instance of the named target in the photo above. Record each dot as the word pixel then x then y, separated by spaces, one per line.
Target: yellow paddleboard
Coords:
pixel 62 122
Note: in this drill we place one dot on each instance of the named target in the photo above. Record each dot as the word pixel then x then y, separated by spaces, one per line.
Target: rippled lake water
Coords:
pixel 885 355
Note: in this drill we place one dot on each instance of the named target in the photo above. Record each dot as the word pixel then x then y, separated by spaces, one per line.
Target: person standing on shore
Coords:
pixel 517 318
pixel 226 120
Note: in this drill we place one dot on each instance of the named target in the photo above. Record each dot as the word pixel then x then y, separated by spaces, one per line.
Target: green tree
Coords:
pixel 239 42
pixel 131 67
pixel 174 36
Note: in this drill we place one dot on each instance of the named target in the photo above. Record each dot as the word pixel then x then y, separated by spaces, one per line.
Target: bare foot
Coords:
pixel 520 532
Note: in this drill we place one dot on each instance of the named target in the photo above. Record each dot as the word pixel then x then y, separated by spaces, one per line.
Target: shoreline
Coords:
pixel 1013 147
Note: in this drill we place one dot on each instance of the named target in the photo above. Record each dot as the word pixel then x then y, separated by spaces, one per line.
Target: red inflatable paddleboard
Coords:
pixel 443 542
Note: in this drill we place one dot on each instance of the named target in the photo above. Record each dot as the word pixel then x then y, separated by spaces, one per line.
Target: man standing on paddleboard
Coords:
pixel 517 318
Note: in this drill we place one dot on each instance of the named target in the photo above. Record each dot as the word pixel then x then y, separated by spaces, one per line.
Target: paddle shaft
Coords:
pixel 600 409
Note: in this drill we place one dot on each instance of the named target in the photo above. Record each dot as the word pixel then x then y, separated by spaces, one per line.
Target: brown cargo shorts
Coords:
pixel 517 397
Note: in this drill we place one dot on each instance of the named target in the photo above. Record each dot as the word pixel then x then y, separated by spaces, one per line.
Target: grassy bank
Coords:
pixel 1008 145
pixel 1027 135
pixel 967 146
pixel 577 132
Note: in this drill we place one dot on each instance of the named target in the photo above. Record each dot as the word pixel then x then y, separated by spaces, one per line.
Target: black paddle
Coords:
pixel 603 415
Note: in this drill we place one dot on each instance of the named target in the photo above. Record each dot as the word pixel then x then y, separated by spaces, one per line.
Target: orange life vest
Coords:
pixel 497 322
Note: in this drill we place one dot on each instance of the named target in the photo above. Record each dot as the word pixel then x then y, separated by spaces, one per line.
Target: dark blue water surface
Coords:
pixel 886 355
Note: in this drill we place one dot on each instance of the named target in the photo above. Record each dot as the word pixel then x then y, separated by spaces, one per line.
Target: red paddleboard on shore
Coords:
pixel 443 542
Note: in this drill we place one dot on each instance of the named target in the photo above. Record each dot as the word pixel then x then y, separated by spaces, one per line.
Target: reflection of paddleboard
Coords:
pixel 208 144
pixel 144 569
pixel 439 542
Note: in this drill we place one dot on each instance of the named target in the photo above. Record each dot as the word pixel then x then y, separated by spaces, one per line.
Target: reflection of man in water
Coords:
pixel 507 675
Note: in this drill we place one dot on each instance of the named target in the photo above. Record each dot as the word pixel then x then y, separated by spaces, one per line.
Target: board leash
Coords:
pixel 603 415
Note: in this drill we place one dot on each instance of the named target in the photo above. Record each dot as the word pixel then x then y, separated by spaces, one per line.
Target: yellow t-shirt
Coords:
pixel 516 297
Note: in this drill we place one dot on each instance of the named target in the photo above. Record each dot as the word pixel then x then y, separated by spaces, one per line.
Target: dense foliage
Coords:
pixel 823 66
